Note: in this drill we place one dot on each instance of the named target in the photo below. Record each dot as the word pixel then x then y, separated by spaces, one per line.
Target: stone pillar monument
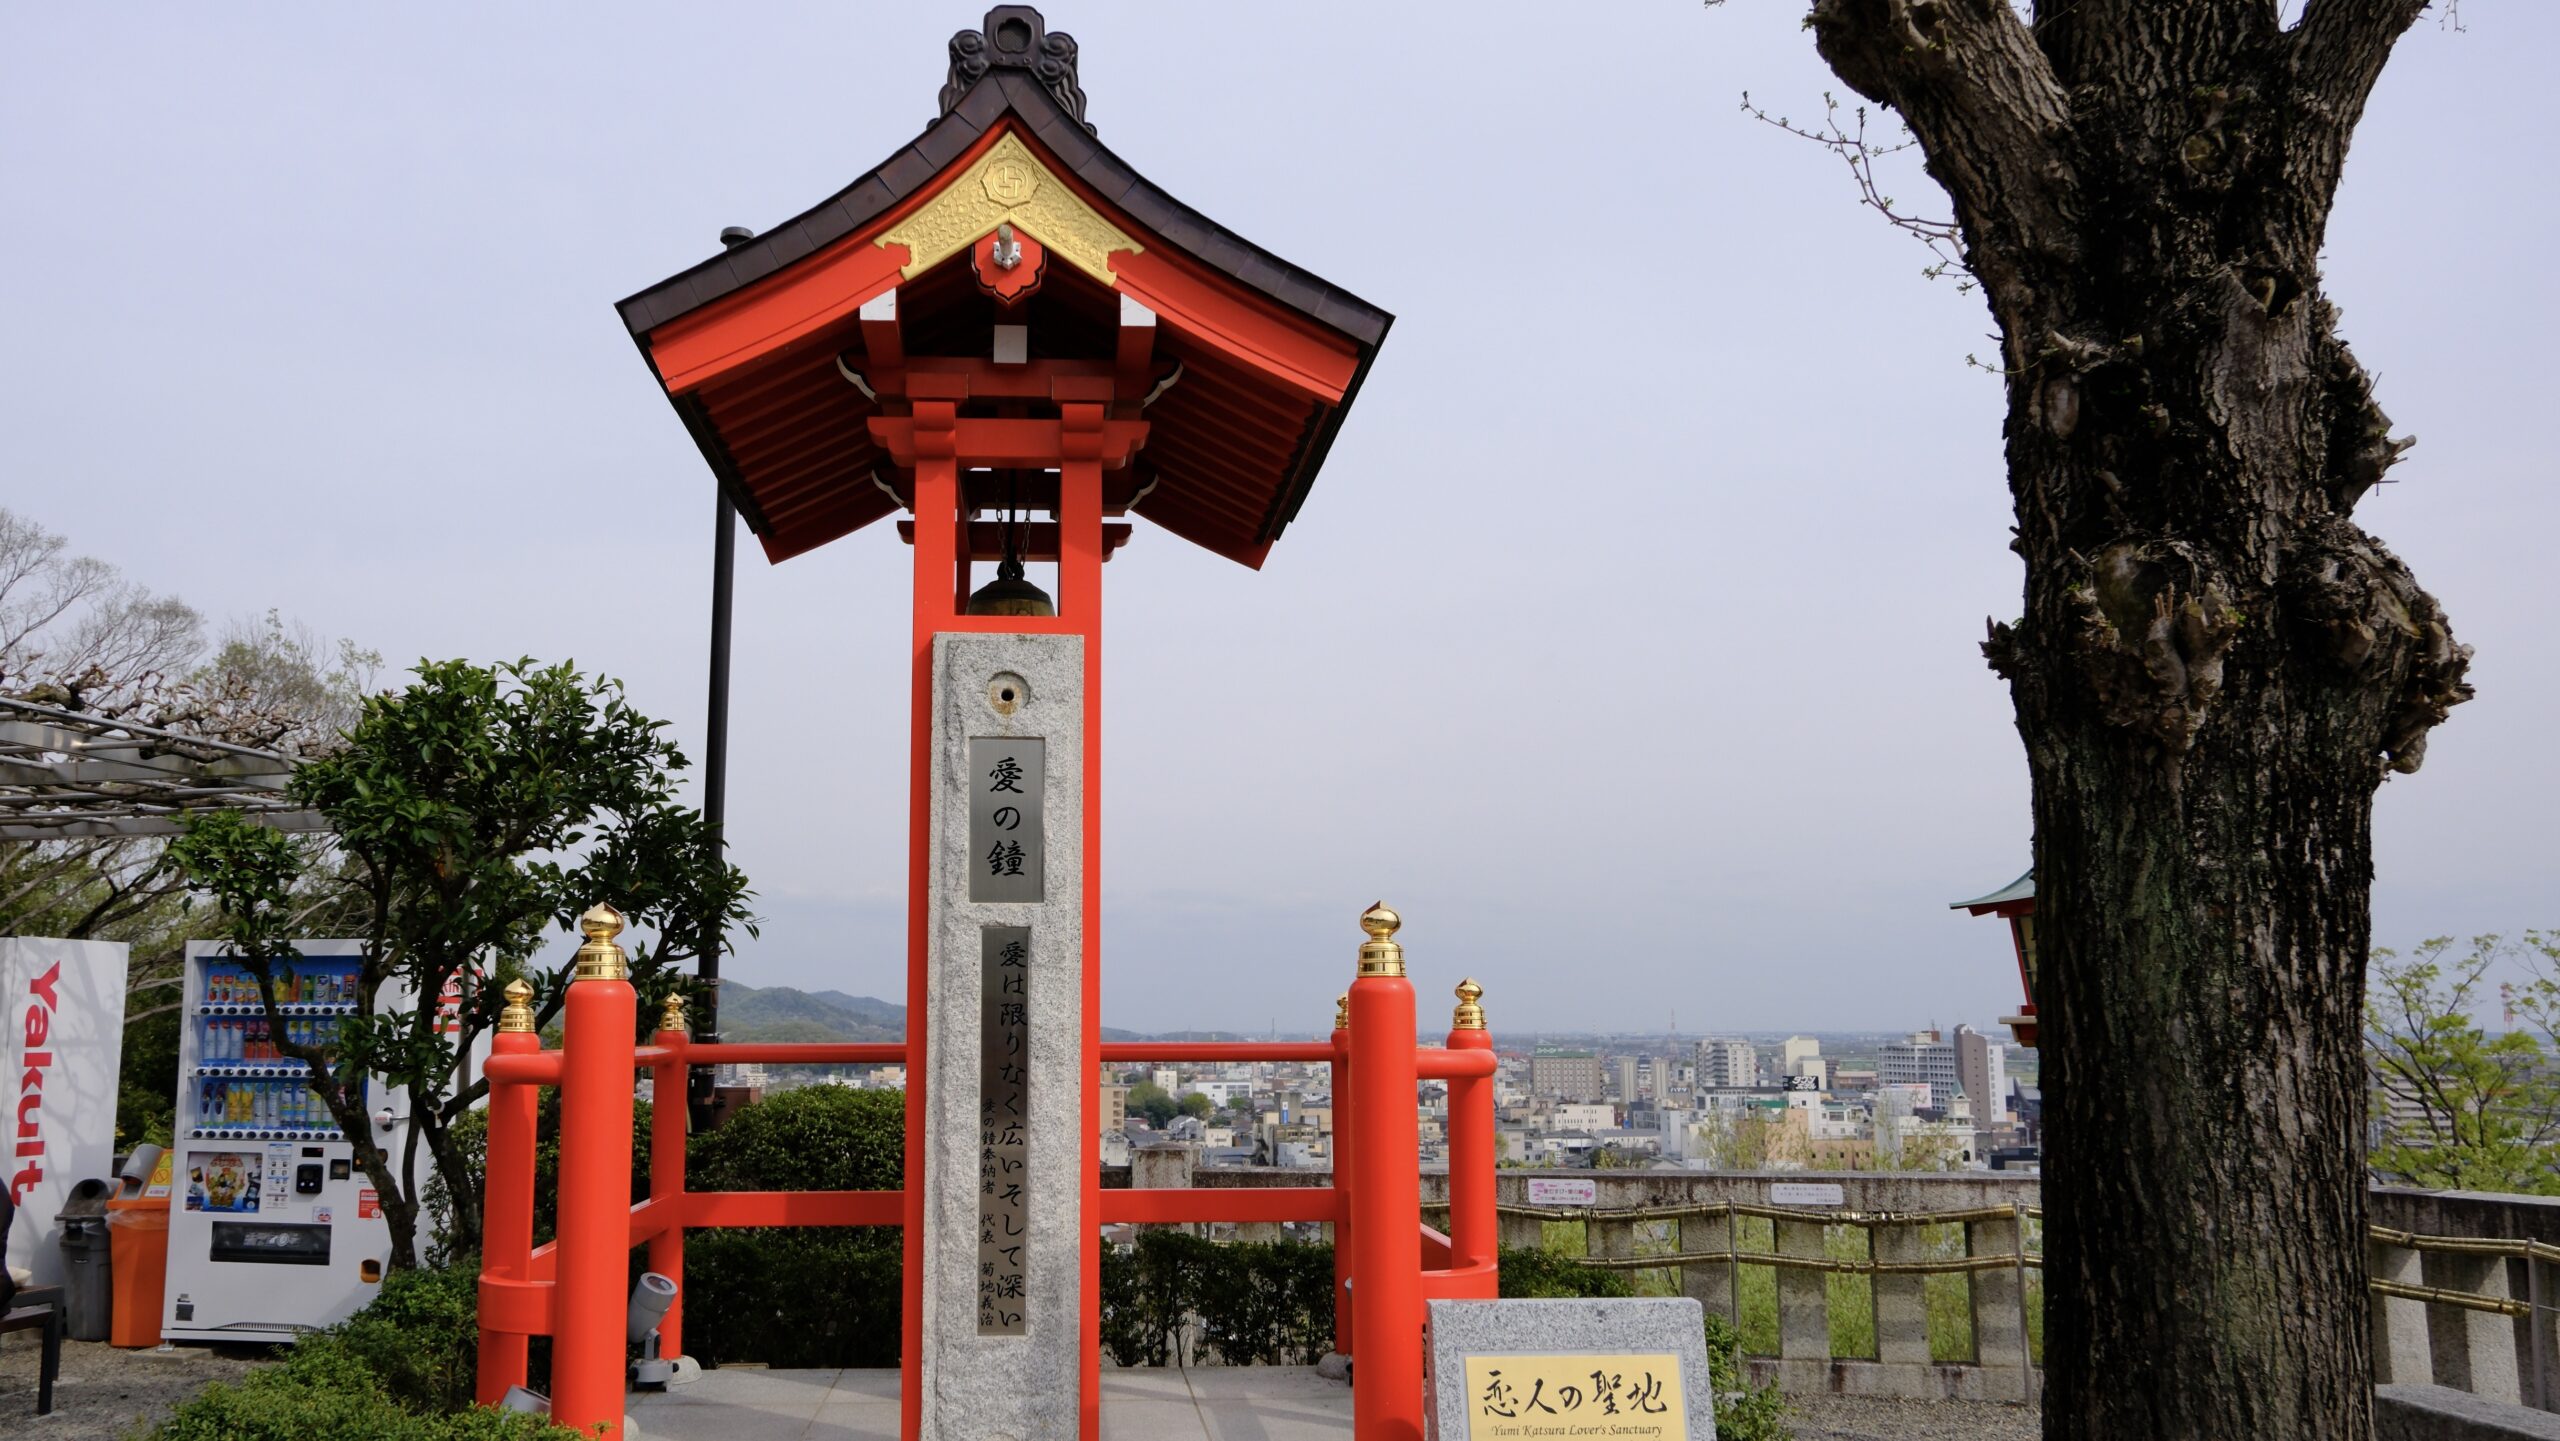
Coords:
pixel 1004 1026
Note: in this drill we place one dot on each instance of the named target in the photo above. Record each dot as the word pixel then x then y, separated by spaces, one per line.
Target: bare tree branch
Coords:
pixel 1970 81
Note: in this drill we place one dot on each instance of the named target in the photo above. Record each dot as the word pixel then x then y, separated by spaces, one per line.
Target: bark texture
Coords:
pixel 2215 669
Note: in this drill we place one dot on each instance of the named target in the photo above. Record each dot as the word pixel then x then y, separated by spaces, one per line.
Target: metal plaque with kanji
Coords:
pixel 1005 833
pixel 1635 1395
pixel 1004 1119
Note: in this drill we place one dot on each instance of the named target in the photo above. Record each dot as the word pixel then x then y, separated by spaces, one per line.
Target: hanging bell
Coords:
pixel 1010 594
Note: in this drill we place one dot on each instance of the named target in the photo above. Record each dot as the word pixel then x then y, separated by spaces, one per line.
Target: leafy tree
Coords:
pixel 472 813
pixel 2215 669
pixel 1151 1100
pixel 1196 1104
pixel 1736 1140
pixel 2463 1108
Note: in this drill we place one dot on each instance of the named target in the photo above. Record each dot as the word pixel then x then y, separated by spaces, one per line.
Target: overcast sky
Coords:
pixel 1627 642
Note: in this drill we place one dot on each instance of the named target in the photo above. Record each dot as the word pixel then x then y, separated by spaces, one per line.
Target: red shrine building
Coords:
pixel 1012 342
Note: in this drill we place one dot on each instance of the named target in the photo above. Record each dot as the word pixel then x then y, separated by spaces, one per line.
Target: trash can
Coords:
pixel 86 1291
pixel 138 1247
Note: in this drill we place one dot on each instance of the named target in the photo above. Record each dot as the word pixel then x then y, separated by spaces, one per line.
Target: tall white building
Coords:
pixel 1725 1061
pixel 1921 1059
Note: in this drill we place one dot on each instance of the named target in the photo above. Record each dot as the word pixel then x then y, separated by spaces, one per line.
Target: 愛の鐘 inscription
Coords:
pixel 1006 846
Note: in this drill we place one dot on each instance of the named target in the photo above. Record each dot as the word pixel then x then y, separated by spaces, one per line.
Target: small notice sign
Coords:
pixel 1635 1395
pixel 1806 1193
pixel 1550 1191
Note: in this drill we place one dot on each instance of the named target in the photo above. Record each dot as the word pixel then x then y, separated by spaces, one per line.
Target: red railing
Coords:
pixel 573 1289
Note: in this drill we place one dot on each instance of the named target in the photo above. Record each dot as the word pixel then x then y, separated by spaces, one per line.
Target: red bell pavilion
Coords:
pixel 1012 342
pixel 2016 904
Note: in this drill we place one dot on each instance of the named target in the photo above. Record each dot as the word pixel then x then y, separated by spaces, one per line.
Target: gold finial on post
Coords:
pixel 1379 955
pixel 600 959
pixel 517 1018
pixel 1469 1016
pixel 672 1017
pixel 1342 1011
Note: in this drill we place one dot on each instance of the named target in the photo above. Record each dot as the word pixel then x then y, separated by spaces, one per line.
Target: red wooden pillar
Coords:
pixel 595 1185
pixel 667 1116
pixel 1346 1198
pixel 1080 604
pixel 937 509
pixel 506 1217
pixel 1473 1236
pixel 1386 1282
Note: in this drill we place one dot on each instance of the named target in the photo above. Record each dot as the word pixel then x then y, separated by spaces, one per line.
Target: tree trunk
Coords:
pixel 2214 671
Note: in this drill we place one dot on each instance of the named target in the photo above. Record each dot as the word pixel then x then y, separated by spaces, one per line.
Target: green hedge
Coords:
pixel 798 1297
pixel 1252 1304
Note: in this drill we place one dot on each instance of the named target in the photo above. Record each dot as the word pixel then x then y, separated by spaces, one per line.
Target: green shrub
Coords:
pixel 420 1338
pixel 1744 1412
pixel 817 1138
pixel 1252 1303
pixel 1543 1273
pixel 399 1370
pixel 798 1297
pixel 792 1297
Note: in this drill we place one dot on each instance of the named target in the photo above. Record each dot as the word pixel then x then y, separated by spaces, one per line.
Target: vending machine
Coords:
pixel 273 1228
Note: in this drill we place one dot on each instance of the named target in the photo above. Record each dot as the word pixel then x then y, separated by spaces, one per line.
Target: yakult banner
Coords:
pixel 62 1038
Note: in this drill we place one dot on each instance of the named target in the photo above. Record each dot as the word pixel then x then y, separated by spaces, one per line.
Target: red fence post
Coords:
pixel 1386 1179
pixel 1472 1232
pixel 666 1167
pixel 1346 1199
pixel 588 1342
pixel 506 1217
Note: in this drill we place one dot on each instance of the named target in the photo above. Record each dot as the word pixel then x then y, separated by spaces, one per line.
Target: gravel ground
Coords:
pixel 102 1392
pixel 1845 1418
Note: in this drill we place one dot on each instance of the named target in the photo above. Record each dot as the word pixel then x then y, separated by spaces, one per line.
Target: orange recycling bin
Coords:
pixel 138 1257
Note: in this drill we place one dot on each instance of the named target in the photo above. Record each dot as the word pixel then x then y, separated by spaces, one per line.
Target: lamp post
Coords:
pixel 2016 904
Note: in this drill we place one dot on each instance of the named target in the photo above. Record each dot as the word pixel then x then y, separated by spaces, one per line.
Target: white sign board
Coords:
pixel 61 1046
pixel 1546 1191
pixel 1806 1193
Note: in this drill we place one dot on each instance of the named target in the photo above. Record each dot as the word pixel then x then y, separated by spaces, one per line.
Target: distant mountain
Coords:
pixel 787 1015
pixel 783 1014
pixel 870 1008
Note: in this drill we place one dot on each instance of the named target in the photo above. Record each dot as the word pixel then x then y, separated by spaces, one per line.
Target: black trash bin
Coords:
pixel 88 1292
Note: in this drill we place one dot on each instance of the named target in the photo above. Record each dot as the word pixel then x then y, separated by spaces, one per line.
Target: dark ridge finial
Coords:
pixel 733 236
pixel 1016 38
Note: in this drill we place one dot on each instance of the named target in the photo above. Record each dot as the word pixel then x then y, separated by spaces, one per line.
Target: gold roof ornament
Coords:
pixel 1469 1016
pixel 517 1018
pixel 1010 184
pixel 672 1017
pixel 600 959
pixel 1342 1011
pixel 1379 955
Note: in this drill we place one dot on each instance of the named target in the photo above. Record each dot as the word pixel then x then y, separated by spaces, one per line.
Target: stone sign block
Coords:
pixel 1628 1367
pixel 1003 1068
